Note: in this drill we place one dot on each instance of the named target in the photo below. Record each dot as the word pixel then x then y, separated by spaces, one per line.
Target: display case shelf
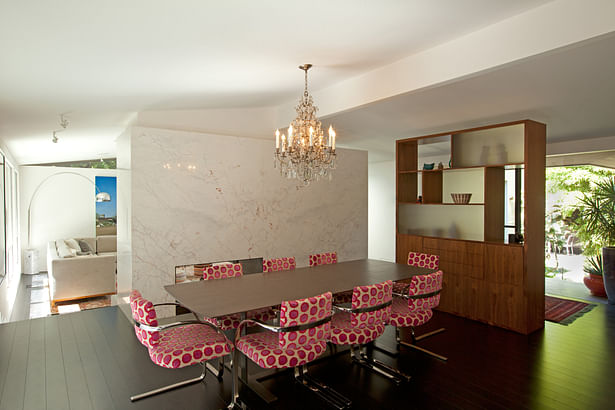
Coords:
pixel 485 278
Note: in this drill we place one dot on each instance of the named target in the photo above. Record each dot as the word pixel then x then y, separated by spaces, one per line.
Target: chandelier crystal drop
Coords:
pixel 306 154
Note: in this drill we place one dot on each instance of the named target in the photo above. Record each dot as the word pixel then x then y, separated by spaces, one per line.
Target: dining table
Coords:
pixel 238 295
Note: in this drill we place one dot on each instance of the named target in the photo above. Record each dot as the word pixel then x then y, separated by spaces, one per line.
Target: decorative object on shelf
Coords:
pixel 305 154
pixel 440 165
pixel 461 198
pixel 428 166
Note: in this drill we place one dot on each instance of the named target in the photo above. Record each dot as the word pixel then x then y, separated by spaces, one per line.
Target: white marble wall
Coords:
pixel 199 198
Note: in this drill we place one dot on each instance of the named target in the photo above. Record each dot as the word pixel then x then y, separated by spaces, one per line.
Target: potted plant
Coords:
pixel 594 280
pixel 597 217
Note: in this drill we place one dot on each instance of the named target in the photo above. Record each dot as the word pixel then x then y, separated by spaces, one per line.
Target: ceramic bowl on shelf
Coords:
pixel 461 198
pixel 428 166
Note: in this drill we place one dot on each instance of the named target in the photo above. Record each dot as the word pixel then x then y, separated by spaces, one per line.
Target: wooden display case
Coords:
pixel 485 277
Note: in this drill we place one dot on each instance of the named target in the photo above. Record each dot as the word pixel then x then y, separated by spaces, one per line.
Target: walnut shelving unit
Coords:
pixel 485 278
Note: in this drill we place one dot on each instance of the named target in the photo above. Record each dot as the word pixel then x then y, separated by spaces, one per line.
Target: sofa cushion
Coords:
pixel 106 243
pixel 64 251
pixel 85 247
pixel 73 244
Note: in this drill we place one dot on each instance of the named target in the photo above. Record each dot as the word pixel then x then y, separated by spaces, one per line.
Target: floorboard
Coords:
pixel 15 383
pixel 55 377
pixel 36 394
pixel 92 360
pixel 77 388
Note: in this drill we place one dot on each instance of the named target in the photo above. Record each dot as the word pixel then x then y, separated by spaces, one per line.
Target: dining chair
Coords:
pixel 326 258
pixel 421 260
pixel 176 345
pixel 300 338
pixel 279 264
pixel 414 307
pixel 226 270
pixel 363 322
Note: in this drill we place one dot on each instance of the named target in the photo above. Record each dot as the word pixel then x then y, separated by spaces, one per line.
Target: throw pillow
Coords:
pixel 85 247
pixel 64 251
pixel 72 244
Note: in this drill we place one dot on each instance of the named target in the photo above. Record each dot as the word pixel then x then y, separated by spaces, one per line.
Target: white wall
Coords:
pixel 248 122
pixel 10 283
pixel 124 214
pixel 381 239
pixel 64 206
pixel 233 204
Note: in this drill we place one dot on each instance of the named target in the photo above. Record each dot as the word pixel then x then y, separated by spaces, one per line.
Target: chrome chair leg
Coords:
pixel 323 391
pixel 235 402
pixel 377 366
pixel 217 372
pixel 421 337
pixel 170 387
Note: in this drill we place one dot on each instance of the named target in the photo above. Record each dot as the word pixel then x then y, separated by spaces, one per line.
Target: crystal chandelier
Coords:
pixel 305 154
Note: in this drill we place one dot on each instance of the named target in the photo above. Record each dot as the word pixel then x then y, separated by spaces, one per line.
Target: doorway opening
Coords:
pixel 573 265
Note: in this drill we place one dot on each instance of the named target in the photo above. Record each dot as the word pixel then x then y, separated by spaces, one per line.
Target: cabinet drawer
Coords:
pixel 504 264
pixel 457 257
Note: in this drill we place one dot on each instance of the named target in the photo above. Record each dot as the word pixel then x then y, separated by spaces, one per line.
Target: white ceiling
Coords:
pixel 102 61
pixel 570 89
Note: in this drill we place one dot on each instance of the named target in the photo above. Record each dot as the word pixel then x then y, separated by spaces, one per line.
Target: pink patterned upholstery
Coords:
pixel 229 322
pixel 143 312
pixel 289 349
pixel 343 333
pixel 263 349
pixel 186 345
pixel 223 271
pixel 343 297
pixel 301 312
pixel 402 316
pixel 226 322
pixel 278 264
pixel 179 346
pixel 368 296
pixel 323 258
pixel 415 312
pixel 360 328
pixel 421 260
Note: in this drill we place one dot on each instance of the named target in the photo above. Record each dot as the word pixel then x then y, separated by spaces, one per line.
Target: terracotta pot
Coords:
pixel 595 284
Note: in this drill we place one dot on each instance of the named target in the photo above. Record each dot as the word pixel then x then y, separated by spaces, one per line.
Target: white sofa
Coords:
pixel 82 276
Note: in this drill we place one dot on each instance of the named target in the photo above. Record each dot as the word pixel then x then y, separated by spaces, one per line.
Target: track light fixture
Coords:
pixel 64 124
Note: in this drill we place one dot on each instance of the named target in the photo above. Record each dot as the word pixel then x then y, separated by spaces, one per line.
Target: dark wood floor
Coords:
pixel 92 360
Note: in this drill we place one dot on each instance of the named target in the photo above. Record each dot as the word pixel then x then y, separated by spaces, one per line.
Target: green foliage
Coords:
pixel 575 179
pixel 580 183
pixel 596 216
pixel 99 164
pixel 593 265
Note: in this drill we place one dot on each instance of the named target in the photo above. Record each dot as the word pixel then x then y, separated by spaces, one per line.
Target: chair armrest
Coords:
pixel 341 308
pixel 364 309
pixel 279 329
pixel 159 328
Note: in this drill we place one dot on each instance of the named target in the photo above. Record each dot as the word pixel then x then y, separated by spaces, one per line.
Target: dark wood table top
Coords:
pixel 219 297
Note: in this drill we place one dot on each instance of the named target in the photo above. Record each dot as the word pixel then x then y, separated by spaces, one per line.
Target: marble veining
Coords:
pixel 200 197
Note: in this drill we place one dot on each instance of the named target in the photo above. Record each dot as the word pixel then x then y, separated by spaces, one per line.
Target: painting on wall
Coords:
pixel 106 212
